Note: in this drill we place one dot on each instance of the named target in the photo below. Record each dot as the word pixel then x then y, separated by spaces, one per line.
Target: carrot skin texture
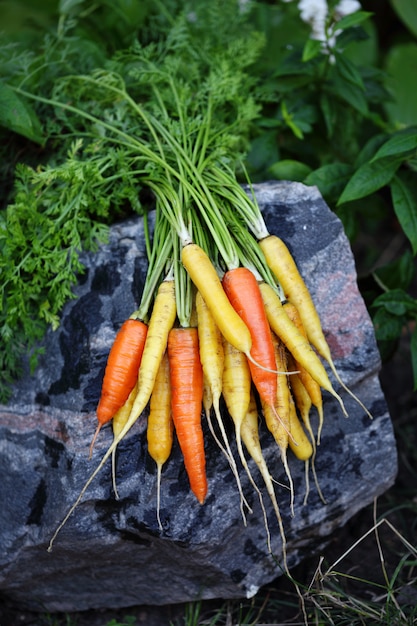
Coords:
pixel 121 416
pixel 205 278
pixel 283 391
pixel 311 385
pixel 299 442
pixel 211 348
pixel 161 321
pixel 160 427
pixel 186 374
pixel 122 368
pixel 242 289
pixel 282 264
pixel 302 400
pixel 250 437
pixel 236 386
pixel 213 361
pixel 293 339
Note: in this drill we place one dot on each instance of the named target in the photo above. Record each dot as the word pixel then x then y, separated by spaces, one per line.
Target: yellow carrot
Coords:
pixel 300 445
pixel 207 398
pixel 303 404
pixel 299 442
pixel 162 320
pixel 204 276
pixel 249 431
pixel 282 264
pixel 236 389
pixel 277 418
pixel 211 349
pixel 296 344
pixel 301 398
pixel 282 404
pixel 160 426
pixel 312 387
pixel 212 361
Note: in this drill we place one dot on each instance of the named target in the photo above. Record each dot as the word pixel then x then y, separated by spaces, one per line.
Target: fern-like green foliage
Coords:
pixel 178 98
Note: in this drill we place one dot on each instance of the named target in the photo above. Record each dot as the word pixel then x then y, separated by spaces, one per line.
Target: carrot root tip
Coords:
pixel 93 441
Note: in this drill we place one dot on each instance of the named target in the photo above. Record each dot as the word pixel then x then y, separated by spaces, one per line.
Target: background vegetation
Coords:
pixel 340 114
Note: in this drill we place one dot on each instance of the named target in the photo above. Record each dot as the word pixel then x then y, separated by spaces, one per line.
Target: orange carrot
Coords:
pixel 121 371
pixel 186 376
pixel 242 289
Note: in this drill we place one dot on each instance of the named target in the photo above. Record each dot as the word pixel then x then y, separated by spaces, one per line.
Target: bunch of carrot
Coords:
pixel 224 313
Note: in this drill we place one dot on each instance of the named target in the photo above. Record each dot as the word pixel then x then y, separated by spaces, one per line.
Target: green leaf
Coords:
pixel 407 12
pixel 369 178
pixel 400 143
pixel 288 169
pixel 348 71
pixel 404 197
pixel 413 350
pixel 360 44
pixel 289 121
pixel 398 273
pixel 312 49
pixel 368 151
pixel 353 19
pixel 330 179
pixel 17 116
pixel 68 6
pixel 397 302
pixel 348 92
pixel 401 68
pixel 327 109
pixel 387 327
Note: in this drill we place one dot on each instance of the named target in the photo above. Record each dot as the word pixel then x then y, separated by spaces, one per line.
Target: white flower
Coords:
pixel 346 7
pixel 314 12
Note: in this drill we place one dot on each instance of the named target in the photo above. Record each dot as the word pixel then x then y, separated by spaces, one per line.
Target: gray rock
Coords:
pixel 111 553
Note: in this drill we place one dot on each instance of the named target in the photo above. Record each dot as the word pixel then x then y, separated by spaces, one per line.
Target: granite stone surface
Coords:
pixel 111 553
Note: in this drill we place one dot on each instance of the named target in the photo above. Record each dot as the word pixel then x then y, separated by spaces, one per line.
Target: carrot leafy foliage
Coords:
pixel 155 112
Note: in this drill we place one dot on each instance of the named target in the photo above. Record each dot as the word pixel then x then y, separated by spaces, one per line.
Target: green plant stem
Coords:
pixel 183 288
pixel 161 252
